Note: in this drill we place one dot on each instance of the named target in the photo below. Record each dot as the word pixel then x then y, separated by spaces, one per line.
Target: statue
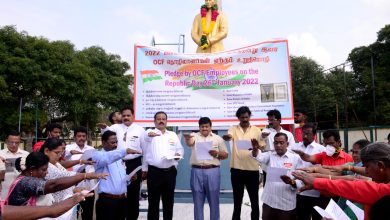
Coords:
pixel 209 28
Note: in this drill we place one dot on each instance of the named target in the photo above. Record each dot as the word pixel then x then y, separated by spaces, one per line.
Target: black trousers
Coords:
pixel 110 208
pixel 133 189
pixel 161 184
pixel 305 210
pixel 87 208
pixel 245 179
pixel 270 213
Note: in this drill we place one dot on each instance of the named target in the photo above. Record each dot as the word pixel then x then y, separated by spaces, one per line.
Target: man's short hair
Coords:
pixel 204 120
pixel 279 134
pixel 50 127
pixel 331 133
pixel 302 110
pixel 128 108
pixel 106 135
pixel 111 116
pixel 275 113
pixel 13 133
pixel 311 125
pixel 80 129
pixel 362 143
pixel 242 110
pixel 160 112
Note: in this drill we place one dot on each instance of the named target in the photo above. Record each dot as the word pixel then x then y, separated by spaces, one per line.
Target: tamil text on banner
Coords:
pixel 190 86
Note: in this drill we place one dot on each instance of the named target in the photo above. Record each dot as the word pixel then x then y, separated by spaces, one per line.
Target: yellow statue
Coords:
pixel 210 27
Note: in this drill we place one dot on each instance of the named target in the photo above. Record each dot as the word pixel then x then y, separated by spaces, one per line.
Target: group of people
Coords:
pixel 307 173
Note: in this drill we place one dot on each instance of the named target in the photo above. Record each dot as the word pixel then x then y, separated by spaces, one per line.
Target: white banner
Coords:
pixel 190 86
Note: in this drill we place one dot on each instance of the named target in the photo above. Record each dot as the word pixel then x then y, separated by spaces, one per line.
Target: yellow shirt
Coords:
pixel 215 37
pixel 242 159
pixel 218 144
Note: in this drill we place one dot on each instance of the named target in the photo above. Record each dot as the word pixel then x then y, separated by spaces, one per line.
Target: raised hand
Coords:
pixel 152 134
pixel 227 137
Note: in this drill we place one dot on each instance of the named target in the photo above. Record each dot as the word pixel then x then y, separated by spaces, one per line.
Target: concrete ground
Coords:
pixel 185 211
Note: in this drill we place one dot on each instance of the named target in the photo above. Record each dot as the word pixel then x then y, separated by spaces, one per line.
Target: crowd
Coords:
pixel 299 173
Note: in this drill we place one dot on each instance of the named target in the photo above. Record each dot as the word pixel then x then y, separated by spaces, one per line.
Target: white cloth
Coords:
pixel 10 176
pixel 128 137
pixel 55 172
pixel 279 195
pixel 311 149
pixel 270 139
pixel 88 184
pixel 157 147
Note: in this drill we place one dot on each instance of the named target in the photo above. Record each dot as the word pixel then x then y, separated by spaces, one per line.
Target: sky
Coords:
pixel 325 31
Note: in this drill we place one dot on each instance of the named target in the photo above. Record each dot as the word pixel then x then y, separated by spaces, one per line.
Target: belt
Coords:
pixel 111 196
pixel 204 166
pixel 162 169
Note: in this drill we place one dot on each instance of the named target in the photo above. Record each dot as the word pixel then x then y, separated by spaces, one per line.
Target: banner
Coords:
pixel 190 86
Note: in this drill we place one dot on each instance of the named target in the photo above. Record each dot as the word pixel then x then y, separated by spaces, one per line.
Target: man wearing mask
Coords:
pixel 129 135
pixel 9 154
pixel 333 155
pixel 162 153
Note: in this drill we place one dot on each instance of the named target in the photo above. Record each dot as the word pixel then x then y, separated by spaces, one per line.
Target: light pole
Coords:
pixel 373 94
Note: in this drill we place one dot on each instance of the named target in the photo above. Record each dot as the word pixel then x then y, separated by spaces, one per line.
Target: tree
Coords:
pixel 311 92
pixel 361 57
pixel 66 84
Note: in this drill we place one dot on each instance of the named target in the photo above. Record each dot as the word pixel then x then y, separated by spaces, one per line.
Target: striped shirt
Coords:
pixel 279 195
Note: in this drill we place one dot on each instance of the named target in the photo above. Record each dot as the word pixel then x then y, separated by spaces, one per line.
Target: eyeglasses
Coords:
pixel 13 142
pixel 59 153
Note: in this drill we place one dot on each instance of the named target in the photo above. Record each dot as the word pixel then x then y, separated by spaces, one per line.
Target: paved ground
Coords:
pixel 185 211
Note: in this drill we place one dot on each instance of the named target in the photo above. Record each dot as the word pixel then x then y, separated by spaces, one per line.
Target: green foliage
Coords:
pixel 379 53
pixel 310 89
pixel 351 92
pixel 66 84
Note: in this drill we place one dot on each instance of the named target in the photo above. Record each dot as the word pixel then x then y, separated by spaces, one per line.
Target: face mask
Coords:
pixel 330 150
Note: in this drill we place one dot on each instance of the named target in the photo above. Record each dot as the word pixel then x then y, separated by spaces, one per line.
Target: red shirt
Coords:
pixel 361 191
pixel 341 159
pixel 37 146
pixel 298 135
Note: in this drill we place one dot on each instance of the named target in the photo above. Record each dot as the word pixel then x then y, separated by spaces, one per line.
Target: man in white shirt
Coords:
pixel 268 134
pixel 306 200
pixel 130 135
pixel 162 153
pixel 74 151
pixel 10 154
pixel 279 199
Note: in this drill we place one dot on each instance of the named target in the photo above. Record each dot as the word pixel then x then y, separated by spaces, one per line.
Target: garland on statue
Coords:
pixel 214 14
